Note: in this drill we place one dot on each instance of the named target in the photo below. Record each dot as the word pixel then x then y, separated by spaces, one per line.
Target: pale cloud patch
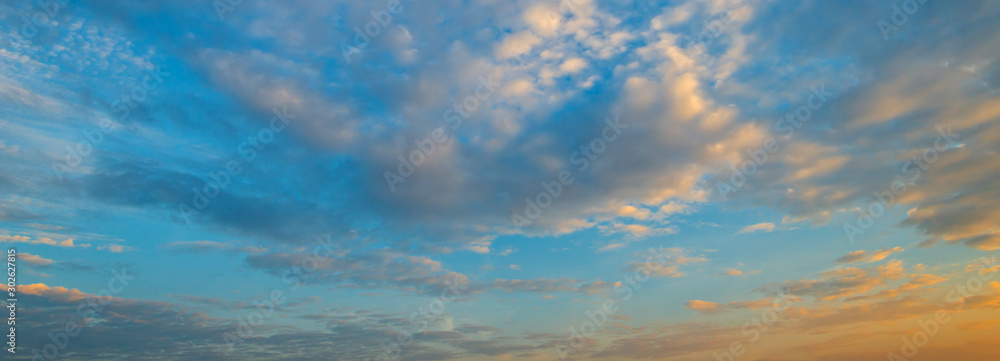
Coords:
pixel 666 263
pixel 62 294
pixel 636 230
pixel 883 253
pixel 759 227
pixel 634 212
pixel 573 65
pixel 543 19
pixel 862 255
pixel 114 248
pixel 68 243
pixel 730 272
pixel 856 256
pixel 203 247
pixel 703 306
pixel 845 282
pixel 35 260
pixel 519 87
pixel 517 44
pixel 674 207
pixel 706 307
pixel 610 247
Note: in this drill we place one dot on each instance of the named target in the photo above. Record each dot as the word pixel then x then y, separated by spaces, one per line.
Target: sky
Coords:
pixel 501 180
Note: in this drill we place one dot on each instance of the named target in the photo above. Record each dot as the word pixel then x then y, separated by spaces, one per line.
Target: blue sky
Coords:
pixel 397 150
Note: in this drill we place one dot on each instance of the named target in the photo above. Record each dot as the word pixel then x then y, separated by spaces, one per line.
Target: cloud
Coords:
pixel 883 253
pixel 693 110
pixel 61 294
pixel 610 247
pixel 874 256
pixel 517 44
pixel 845 282
pixel 666 263
pixel 765 227
pixel 543 18
pixel 381 268
pixel 34 260
pixel 985 242
pixel 633 212
pixel 572 65
pixel 856 256
pixel 636 230
pixel 673 208
pixel 114 248
pixel 542 285
pixel 705 307
pixel 38 263
pixel 68 243
pixel 730 272
pixel 206 247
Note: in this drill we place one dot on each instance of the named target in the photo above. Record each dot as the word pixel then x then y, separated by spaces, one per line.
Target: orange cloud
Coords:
pixel 874 256
pixel 706 307
pixel 61 294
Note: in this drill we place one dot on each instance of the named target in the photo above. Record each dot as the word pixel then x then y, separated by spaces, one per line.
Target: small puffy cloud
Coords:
pixel 543 19
pixel 673 16
pixel 113 248
pixel 572 65
pixel 519 87
pixel 674 207
pixel 703 306
pixel 515 267
pixel 633 212
pixel 517 44
pixel 479 247
pixel 765 227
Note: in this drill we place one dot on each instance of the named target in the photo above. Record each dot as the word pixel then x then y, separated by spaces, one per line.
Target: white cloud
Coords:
pixel 543 18
pixel 517 44
pixel 573 65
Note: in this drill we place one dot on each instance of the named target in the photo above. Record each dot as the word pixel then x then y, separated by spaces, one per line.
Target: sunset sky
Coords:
pixel 502 180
